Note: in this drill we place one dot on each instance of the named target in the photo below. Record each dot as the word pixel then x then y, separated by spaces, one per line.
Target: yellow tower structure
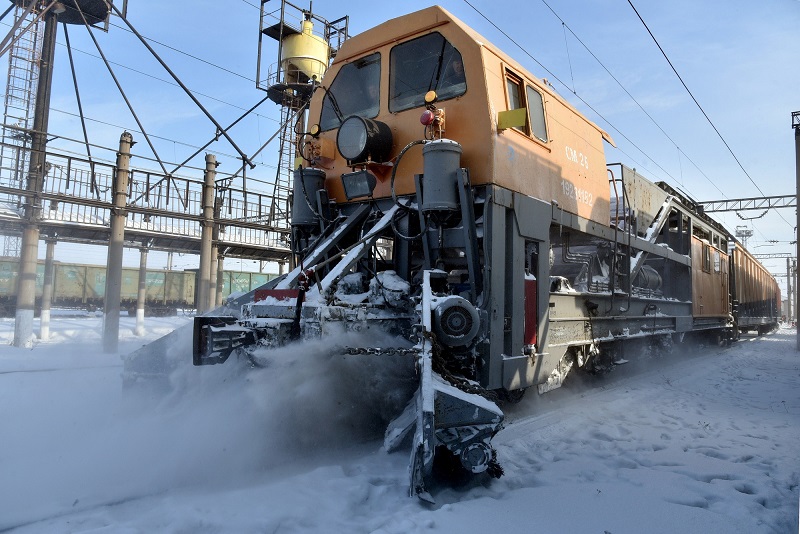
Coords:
pixel 307 43
pixel 304 56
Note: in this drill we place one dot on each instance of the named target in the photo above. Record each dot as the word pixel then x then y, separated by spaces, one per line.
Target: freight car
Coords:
pixel 449 197
pixel 79 286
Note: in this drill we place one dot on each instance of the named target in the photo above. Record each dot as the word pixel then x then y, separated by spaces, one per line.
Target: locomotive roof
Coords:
pixel 431 18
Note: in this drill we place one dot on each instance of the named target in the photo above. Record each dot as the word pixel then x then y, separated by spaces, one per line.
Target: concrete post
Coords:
pixel 141 295
pixel 220 278
pixel 115 246
pixel 219 258
pixel 47 291
pixel 205 297
pixel 29 248
pixel 212 283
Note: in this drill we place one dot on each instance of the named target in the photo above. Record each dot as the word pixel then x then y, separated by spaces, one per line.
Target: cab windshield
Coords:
pixel 354 91
pixel 421 65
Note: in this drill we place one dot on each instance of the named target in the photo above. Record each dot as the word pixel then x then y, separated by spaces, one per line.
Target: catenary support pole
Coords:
pixel 115 246
pixel 29 250
pixel 796 126
pixel 219 256
pixel 220 278
pixel 212 285
pixel 47 291
pixel 788 310
pixel 205 298
pixel 794 284
pixel 141 295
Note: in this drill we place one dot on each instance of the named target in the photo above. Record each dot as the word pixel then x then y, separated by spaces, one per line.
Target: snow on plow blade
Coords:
pixel 444 417
pixel 463 423
pixel 215 338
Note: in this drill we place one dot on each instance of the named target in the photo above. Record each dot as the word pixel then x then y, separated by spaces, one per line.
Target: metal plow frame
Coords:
pixel 463 422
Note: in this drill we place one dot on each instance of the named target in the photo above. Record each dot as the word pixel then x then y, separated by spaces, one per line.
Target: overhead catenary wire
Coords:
pixel 108 62
pixel 216 137
pixel 7 11
pixel 727 146
pixel 133 130
pixel 638 104
pixel 154 77
pixel 559 80
pixel 175 49
pixel 555 77
pixel 186 89
pixel 187 54
pixel 693 98
pixel 122 92
pixel 210 63
pixel 619 83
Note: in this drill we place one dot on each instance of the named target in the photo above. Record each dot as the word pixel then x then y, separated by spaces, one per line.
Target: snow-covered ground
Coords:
pixel 689 444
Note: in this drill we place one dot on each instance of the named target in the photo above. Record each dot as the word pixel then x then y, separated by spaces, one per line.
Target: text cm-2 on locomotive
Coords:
pixel 448 196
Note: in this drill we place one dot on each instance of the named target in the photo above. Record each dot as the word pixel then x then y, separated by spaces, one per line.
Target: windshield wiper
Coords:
pixel 330 96
pixel 436 75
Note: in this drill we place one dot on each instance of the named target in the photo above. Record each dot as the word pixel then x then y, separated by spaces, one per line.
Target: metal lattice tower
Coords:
pixel 19 104
pixel 290 83
pixel 279 213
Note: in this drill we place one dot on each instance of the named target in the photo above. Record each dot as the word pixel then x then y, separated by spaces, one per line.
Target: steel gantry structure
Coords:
pixel 744 204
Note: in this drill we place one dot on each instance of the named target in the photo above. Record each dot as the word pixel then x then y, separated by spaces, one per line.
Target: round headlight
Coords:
pixel 360 139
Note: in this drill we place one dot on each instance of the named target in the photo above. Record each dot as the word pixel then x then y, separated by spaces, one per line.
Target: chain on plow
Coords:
pixel 454 380
pixel 381 351
pixel 462 383
pixel 438 365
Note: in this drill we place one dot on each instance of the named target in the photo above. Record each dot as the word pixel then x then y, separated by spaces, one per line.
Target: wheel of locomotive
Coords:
pixel 662 345
pixel 601 360
pixel 735 333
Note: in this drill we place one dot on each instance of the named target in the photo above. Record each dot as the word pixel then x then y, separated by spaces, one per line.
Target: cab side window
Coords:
pixel 522 95
pixel 515 95
pixel 536 114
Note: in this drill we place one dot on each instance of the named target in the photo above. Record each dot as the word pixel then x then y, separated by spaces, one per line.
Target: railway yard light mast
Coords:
pixel 744 233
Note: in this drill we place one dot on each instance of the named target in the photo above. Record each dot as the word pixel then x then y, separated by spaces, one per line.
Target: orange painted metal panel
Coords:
pixel 569 168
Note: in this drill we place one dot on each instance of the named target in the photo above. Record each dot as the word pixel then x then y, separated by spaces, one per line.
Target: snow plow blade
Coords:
pixel 215 338
pixel 463 423
pixel 447 420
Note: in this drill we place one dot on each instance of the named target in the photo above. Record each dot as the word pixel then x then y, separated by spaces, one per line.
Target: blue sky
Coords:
pixel 738 58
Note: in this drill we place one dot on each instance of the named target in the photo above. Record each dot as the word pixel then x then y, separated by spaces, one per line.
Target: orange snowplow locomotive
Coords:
pixel 447 196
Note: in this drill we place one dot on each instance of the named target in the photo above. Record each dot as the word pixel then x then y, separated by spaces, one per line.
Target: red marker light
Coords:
pixel 427 117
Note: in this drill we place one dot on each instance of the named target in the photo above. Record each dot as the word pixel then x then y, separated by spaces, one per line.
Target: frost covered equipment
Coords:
pixel 454 207
pixel 444 416
pixel 353 277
